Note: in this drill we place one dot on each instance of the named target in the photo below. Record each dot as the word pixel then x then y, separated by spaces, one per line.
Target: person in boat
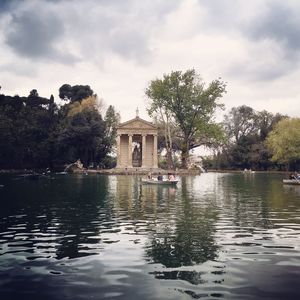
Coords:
pixel 171 177
pixel 292 176
pixel 159 177
pixel 150 175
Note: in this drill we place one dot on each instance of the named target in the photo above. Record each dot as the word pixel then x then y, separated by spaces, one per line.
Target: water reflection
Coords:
pixel 188 239
pixel 59 222
pixel 142 201
pixel 110 236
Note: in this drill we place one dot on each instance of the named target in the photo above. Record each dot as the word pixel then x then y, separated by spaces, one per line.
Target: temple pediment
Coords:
pixel 137 123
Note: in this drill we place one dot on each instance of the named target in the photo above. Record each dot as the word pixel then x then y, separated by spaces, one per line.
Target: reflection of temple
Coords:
pixel 141 201
pixel 137 144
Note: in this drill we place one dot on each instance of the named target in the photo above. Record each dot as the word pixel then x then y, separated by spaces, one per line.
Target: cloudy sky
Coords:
pixel 118 46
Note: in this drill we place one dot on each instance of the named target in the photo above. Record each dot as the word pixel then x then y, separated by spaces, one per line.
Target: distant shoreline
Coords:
pixel 137 171
pixel 242 171
pixel 14 171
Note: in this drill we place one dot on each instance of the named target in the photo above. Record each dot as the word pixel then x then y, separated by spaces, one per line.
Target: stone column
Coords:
pixel 155 165
pixel 118 151
pixel 144 150
pixel 129 151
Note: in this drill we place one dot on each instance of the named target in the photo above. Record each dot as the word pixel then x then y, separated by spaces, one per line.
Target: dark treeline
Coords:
pixel 245 146
pixel 36 133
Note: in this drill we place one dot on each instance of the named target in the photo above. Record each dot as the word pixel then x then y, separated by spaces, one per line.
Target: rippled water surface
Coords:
pixel 215 236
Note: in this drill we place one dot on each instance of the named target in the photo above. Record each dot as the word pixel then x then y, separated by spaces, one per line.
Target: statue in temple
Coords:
pixel 136 156
pixel 136 153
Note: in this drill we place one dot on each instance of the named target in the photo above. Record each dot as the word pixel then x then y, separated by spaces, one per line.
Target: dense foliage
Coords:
pixel 75 93
pixel 184 109
pixel 246 131
pixel 36 133
pixel 284 142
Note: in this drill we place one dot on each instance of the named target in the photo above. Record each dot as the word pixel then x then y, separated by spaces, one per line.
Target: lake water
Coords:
pixel 215 236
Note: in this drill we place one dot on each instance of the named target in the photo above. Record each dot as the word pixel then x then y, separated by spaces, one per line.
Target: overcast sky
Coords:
pixel 118 46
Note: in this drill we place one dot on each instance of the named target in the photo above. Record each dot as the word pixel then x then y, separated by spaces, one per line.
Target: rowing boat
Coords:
pixel 159 182
pixel 291 181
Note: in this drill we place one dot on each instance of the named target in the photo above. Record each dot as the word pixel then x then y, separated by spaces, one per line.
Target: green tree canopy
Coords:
pixel 75 93
pixel 26 126
pixel 246 130
pixel 284 141
pixel 83 133
pixel 36 133
pixel 183 98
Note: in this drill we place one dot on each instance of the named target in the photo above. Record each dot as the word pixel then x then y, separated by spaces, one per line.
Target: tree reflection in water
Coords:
pixel 188 241
pixel 79 223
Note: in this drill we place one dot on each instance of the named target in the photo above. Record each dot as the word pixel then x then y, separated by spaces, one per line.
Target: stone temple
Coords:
pixel 137 145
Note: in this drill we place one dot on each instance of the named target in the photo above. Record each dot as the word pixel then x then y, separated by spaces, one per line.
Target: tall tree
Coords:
pixel 164 120
pixel 82 133
pixel 240 122
pixel 265 122
pixel 112 120
pixel 182 96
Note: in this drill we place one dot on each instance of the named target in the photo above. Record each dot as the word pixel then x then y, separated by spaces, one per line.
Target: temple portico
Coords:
pixel 137 144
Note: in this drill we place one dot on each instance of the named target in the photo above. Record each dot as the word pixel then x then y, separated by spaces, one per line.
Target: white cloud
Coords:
pixel 117 47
